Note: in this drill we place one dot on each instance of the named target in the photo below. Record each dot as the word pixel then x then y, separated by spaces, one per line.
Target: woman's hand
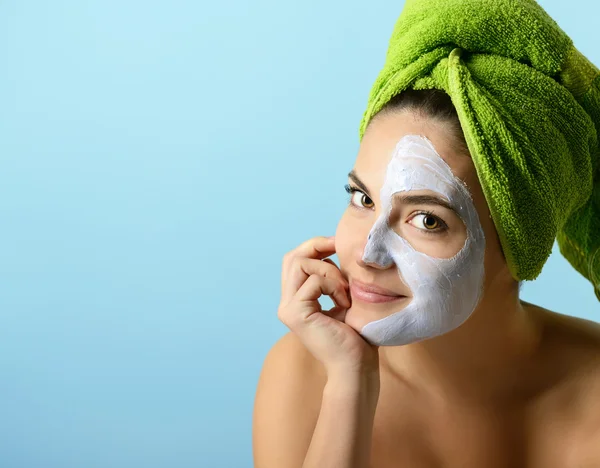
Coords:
pixel 306 275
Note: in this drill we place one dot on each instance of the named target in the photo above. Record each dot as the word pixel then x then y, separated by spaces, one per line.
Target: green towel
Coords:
pixel 529 105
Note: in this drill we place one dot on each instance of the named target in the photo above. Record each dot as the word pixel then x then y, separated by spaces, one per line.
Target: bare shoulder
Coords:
pixel 571 345
pixel 287 404
pixel 572 349
pixel 579 338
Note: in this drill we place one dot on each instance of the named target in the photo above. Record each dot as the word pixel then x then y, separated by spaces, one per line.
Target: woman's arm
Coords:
pixel 304 419
pixel 342 437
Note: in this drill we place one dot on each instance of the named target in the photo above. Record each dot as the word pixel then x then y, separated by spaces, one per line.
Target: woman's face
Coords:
pixel 437 232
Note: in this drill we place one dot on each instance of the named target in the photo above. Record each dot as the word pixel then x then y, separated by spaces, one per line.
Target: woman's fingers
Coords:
pixel 300 269
pixel 319 286
pixel 317 247
pixel 310 291
pixel 307 274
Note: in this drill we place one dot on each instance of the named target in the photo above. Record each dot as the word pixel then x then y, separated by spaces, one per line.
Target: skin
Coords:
pixel 516 385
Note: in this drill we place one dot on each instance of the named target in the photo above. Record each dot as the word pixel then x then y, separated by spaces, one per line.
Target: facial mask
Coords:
pixel 444 291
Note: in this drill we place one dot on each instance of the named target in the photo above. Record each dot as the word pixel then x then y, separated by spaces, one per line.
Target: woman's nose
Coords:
pixel 373 255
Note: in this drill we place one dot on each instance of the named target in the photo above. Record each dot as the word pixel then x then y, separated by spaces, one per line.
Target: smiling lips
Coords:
pixel 371 293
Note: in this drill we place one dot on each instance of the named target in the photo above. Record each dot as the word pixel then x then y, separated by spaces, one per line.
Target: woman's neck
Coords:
pixel 482 360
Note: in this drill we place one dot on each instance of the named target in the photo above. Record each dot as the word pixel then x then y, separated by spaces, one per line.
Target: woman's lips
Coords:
pixel 368 296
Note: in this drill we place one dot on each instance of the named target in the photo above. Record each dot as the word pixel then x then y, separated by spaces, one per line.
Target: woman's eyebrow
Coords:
pixel 352 176
pixel 423 200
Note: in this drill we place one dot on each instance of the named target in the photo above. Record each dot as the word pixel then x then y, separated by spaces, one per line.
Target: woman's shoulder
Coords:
pixel 289 355
pixel 291 371
pixel 287 403
pixel 570 348
pixel 570 345
pixel 571 334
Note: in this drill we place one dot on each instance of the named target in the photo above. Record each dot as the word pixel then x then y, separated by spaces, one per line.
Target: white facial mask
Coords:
pixel 444 292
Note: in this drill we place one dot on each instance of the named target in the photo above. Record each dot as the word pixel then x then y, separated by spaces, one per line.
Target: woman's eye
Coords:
pixel 358 198
pixel 429 223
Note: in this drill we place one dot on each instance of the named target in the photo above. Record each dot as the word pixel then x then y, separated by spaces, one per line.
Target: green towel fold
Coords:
pixel 529 105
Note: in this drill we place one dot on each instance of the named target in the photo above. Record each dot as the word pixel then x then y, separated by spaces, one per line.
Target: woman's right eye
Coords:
pixel 357 195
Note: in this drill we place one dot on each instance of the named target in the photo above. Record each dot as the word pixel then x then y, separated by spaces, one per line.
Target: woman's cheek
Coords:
pixel 343 241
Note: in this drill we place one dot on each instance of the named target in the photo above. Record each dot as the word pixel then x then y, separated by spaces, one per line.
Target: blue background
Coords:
pixel 157 160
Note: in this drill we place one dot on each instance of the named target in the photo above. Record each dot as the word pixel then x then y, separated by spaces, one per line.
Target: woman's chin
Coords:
pixel 358 315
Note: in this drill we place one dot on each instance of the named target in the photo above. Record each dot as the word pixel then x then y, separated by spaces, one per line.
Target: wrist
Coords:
pixel 359 373
pixel 353 383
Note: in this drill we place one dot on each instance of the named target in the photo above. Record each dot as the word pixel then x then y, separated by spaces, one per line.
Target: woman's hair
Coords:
pixel 433 104
pixel 430 103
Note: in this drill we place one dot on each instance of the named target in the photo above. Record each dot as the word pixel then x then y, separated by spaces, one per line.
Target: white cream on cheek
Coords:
pixel 445 291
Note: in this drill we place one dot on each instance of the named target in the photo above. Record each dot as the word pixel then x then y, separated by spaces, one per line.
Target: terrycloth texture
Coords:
pixel 529 105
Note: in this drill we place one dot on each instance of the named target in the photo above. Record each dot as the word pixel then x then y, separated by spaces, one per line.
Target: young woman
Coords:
pixel 516 385
pixel 429 357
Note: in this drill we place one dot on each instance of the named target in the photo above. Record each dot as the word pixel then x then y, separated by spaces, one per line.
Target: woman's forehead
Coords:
pixel 381 153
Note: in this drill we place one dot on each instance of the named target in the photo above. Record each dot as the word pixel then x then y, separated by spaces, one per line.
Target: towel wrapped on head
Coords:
pixel 529 106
